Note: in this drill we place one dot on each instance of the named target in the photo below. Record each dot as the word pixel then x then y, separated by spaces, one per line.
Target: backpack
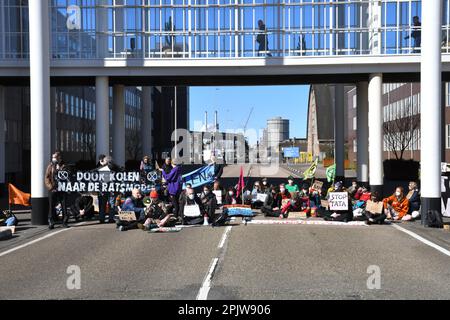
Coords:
pixel 220 219
pixel 434 219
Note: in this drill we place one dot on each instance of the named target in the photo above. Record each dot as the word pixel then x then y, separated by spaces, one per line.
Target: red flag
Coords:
pixel 240 186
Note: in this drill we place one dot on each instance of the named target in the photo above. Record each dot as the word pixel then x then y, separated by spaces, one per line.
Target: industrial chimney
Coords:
pixel 206 121
pixel 216 122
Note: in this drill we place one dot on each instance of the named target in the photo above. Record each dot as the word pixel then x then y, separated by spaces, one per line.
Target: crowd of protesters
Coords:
pixel 166 204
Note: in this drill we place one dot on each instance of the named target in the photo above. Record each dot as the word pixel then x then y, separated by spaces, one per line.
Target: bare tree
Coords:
pixel 87 129
pixel 133 144
pixel 400 131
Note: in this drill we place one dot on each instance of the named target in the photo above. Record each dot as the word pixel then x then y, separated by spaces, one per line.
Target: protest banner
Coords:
pixel 317 185
pixel 192 211
pixel 261 197
pixel 218 194
pixel 127 216
pixel 374 207
pixel 100 181
pixel 199 177
pixel 338 201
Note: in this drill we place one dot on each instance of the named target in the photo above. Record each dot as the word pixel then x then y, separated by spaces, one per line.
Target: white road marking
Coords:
pixel 427 242
pixel 224 237
pixel 206 285
pixel 37 240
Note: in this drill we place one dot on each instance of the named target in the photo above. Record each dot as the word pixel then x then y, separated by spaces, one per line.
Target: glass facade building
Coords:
pixel 145 29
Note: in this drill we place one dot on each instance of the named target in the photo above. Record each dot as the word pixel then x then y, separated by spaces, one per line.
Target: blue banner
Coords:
pixel 199 177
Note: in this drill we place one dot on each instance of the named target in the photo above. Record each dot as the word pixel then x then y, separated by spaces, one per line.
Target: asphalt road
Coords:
pixel 253 262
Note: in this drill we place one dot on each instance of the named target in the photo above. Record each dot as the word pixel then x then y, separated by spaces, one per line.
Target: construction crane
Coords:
pixel 248 119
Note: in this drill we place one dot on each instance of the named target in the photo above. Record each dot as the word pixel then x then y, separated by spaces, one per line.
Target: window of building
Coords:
pixel 354 123
pixel 447 136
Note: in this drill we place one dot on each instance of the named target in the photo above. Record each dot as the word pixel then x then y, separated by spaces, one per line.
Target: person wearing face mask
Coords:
pixel 396 206
pixel 290 186
pixel 191 199
pixel 271 207
pixel 256 204
pixel 219 192
pixel 413 197
pixel 284 201
pixel 55 197
pixel 231 197
pixel 353 189
pixel 303 202
pixel 209 202
pixel 341 215
pixel 265 186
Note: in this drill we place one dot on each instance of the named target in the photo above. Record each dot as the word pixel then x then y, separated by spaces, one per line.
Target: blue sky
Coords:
pixel 234 105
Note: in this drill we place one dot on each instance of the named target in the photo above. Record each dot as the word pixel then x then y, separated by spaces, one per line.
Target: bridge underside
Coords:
pixel 235 80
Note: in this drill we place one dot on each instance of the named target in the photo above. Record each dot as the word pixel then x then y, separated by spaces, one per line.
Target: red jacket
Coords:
pixel 363 196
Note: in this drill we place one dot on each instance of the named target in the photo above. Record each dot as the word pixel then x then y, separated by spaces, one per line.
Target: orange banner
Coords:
pixel 18 197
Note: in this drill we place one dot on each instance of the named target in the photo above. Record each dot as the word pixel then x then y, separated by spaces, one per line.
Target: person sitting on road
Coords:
pixel 231 197
pixel 191 199
pixel 374 217
pixel 209 202
pixel 265 186
pixel 362 194
pixel 83 208
pixel 133 203
pixel 156 214
pixel 284 201
pixel 302 202
pixel 341 215
pixel 413 197
pixel 353 189
pixel 271 207
pixel 290 186
pixel 217 189
pixel 314 200
pixel 256 204
pixel 396 206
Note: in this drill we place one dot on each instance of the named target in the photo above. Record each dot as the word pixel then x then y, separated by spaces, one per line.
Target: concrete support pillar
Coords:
pixel 362 138
pixel 40 110
pixel 2 137
pixel 102 116
pixel 430 153
pixel 101 27
pixel 146 129
pixel 339 132
pixel 53 105
pixel 118 118
pixel 376 132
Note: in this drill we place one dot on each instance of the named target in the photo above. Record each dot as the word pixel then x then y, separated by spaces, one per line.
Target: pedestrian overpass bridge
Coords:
pixel 231 42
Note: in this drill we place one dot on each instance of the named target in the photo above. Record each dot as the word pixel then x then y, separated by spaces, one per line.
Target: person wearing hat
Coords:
pixel 291 187
pixel 156 214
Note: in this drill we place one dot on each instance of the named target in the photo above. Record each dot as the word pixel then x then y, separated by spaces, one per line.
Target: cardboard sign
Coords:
pixel 261 197
pixel 218 194
pixel 127 216
pixel 324 203
pixel 317 185
pixel 374 207
pixel 192 211
pixel 338 201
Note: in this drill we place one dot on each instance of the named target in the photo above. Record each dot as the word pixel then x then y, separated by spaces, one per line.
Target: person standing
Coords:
pixel 174 183
pixel 105 198
pixel 416 34
pixel 54 196
pixel 262 39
